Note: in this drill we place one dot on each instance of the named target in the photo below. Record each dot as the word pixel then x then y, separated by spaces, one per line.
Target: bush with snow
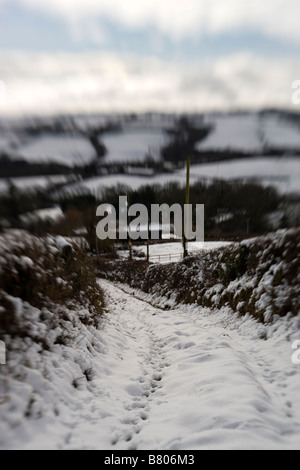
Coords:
pixel 50 313
pixel 259 277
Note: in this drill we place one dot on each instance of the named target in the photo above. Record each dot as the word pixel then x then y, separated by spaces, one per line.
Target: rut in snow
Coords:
pixel 152 361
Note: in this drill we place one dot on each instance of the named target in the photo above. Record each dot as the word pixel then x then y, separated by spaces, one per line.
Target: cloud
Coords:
pixel 41 83
pixel 184 19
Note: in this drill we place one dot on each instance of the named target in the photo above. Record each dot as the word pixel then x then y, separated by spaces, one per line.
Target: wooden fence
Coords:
pixel 166 257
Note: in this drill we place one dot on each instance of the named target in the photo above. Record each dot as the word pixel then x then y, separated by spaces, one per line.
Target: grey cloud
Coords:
pixel 89 82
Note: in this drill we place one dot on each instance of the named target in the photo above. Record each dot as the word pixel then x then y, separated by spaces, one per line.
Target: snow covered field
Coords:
pixel 181 379
pixel 280 134
pixel 250 133
pixel 133 145
pixel 166 252
pixel 66 150
pixel 231 132
pixel 33 182
pixel 281 172
pixel 8 142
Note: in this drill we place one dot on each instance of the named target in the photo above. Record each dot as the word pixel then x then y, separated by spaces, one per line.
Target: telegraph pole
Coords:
pixel 148 229
pixel 186 213
pixel 128 228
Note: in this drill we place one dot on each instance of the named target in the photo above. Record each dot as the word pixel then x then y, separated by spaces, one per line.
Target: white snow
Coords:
pixel 62 243
pixel 133 145
pixel 7 143
pixel 51 214
pixel 33 182
pixel 280 133
pixel 66 150
pixel 250 133
pixel 281 172
pixel 233 132
pixel 168 380
pixel 173 252
pixel 26 262
pixel 93 185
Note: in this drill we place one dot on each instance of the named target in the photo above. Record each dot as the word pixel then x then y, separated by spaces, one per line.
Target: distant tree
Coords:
pixel 183 139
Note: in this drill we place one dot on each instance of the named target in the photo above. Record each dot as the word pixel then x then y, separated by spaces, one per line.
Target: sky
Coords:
pixel 89 56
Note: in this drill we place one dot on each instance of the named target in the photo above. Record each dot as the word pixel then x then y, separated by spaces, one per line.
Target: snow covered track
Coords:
pixel 179 381
pixel 182 379
pixel 142 366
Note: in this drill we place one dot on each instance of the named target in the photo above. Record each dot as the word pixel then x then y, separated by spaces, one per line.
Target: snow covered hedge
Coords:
pixel 50 312
pixel 260 277
pixel 48 274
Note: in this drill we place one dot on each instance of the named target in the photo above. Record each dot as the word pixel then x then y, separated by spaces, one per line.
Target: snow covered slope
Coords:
pixel 239 133
pixel 280 134
pixel 152 373
pixel 133 145
pixel 281 172
pixel 181 379
pixel 250 133
pixel 33 183
pixel 66 150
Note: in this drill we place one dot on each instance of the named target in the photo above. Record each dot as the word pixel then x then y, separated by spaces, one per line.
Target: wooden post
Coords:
pixel 248 226
pixel 130 249
pixel 186 216
pixel 97 250
pixel 148 254
pixel 128 229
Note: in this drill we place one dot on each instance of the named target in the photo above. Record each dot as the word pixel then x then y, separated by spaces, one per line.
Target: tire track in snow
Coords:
pixel 151 361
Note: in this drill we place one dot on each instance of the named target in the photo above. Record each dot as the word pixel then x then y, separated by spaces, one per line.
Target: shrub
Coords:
pixel 259 277
pixel 34 274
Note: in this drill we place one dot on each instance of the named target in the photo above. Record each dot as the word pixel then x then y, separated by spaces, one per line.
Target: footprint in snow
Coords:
pixel 144 416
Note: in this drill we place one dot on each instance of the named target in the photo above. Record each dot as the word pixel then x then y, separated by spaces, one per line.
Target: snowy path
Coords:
pixel 181 379
pixel 177 380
